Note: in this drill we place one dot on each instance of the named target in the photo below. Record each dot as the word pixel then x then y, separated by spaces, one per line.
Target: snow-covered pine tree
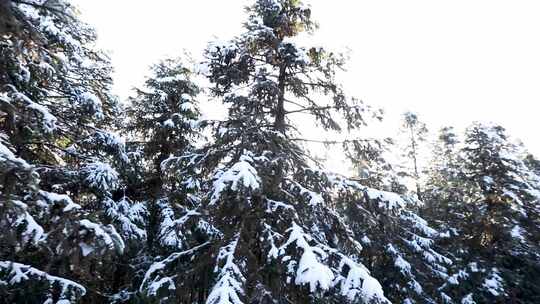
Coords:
pixel 279 238
pixel 164 117
pixel 163 123
pixel 445 184
pixel 414 131
pixel 164 126
pixel 57 160
pixel 497 197
pixel 399 246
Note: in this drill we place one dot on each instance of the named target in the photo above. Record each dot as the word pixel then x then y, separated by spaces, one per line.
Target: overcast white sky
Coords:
pixel 453 62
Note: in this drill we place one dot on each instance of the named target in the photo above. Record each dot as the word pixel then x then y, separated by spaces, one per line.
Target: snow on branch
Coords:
pixel 105 236
pixel 7 157
pixel 241 174
pixel 12 273
pixel 92 103
pixel 400 262
pixel 48 120
pixel 60 199
pixel 155 278
pixel 110 142
pixel 30 230
pixel 101 176
pixel 310 270
pixel 352 279
pixel 386 200
pixel 228 288
pixel 419 223
pixel 358 283
pixel 171 229
pixel 494 283
pixel 314 197
pixel 130 217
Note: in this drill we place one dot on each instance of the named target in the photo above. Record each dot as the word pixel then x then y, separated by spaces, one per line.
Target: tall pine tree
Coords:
pixel 58 157
pixel 415 132
pixel 490 198
pixel 280 240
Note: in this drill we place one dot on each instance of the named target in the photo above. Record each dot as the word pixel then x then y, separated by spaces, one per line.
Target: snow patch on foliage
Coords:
pixel 16 273
pixel 517 233
pixel 455 278
pixel 49 120
pixel 403 265
pixel 241 174
pixel 314 197
pixel 468 299
pixel 170 228
pixel 358 283
pixel 129 216
pixel 419 223
pixel 105 235
pixel 228 287
pixel 92 103
pixel 155 278
pixel 7 156
pixel 310 270
pixel 387 200
pixel 494 283
pixel 273 206
pixel 62 199
pixel 169 123
pixel 187 106
pixel 101 176
pixel 31 230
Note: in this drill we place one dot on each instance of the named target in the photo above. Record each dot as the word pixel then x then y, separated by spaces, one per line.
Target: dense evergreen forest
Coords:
pixel 146 201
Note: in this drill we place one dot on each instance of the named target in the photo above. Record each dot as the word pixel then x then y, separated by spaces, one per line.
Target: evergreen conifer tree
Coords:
pixel 153 203
pixel 58 157
pixel 164 127
pixel 415 132
pixel 400 247
pixel 279 239
pixel 494 197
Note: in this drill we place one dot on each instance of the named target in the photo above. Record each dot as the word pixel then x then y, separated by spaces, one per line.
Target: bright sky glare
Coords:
pixel 452 62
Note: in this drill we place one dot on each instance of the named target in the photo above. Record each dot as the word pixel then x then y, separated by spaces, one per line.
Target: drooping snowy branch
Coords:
pixel 99 238
pixel 16 274
pixel 229 287
pixel 241 175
